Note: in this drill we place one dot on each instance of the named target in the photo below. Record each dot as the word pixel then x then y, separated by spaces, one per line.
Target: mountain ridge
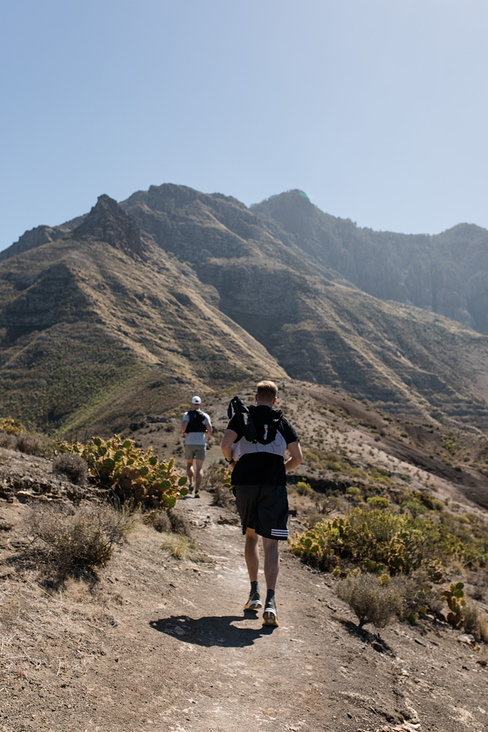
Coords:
pixel 195 290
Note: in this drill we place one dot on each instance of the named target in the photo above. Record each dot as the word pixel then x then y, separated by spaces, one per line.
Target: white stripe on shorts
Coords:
pixel 279 532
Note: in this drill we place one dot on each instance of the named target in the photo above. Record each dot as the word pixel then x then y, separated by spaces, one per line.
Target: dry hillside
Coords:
pixel 152 641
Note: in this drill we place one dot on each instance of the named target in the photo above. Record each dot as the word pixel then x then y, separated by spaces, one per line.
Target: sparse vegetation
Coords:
pixel 371 599
pixel 14 436
pixel 179 546
pixel 79 538
pixel 73 466
pixel 217 480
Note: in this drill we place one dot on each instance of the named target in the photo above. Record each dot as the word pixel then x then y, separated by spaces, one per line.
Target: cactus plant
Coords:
pixel 130 473
pixel 456 602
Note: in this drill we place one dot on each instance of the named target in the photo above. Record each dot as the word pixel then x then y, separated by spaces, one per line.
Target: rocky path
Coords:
pixel 164 646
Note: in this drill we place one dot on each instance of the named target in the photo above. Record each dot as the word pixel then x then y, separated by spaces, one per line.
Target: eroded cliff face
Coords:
pixel 277 276
pixel 446 274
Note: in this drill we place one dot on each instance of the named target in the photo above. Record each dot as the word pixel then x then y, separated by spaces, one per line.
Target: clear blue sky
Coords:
pixel 376 108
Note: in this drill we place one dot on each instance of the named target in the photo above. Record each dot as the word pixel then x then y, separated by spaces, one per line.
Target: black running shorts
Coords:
pixel 263 508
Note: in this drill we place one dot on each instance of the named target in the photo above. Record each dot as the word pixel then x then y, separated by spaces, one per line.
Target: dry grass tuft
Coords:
pixel 179 546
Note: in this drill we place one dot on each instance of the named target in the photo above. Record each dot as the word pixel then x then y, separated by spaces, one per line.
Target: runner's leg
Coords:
pixel 199 475
pixel 271 562
pixel 251 554
pixel 189 470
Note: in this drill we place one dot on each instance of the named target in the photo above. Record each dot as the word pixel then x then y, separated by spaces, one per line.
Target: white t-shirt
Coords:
pixel 196 438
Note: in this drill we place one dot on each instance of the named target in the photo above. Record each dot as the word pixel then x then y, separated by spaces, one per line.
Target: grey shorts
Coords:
pixel 263 508
pixel 195 452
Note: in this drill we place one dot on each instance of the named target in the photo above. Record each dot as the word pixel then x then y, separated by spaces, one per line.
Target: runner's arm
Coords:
pixel 184 425
pixel 226 445
pixel 208 428
pixel 296 456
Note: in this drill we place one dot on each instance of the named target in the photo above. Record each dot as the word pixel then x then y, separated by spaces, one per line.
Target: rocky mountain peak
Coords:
pixel 109 223
pixel 292 210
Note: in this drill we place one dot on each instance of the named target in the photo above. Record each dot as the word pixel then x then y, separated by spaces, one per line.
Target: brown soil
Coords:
pixel 157 643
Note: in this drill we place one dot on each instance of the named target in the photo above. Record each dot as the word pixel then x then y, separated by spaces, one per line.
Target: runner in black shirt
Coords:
pixel 259 481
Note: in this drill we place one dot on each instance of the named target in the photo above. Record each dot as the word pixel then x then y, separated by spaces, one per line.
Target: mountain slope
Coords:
pixel 447 274
pixel 316 324
pixel 93 333
pixel 130 308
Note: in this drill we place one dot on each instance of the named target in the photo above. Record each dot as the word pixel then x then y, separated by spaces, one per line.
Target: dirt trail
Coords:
pixel 165 646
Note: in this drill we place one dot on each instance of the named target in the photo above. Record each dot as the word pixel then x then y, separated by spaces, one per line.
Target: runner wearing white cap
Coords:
pixel 195 425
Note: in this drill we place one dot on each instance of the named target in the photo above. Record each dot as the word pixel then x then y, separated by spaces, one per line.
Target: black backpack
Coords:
pixel 254 430
pixel 197 421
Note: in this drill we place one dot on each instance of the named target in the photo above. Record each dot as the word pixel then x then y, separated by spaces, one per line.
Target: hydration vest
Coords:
pixel 253 426
pixel 197 421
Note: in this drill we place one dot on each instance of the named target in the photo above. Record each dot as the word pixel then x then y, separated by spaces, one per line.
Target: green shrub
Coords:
pixel 370 599
pixel 433 504
pixel 456 602
pixel 303 488
pixel 378 540
pixel 415 508
pixel 354 493
pixel 378 502
pixel 11 426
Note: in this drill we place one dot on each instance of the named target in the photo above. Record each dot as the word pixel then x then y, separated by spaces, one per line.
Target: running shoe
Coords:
pixel 270 616
pixel 197 494
pixel 254 602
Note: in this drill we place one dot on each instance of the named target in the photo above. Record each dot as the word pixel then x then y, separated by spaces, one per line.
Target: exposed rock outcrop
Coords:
pixel 109 223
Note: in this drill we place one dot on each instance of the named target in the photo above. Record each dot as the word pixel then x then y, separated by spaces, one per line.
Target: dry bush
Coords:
pixel 80 537
pixel 418 596
pixel 29 444
pixel 159 520
pixel 73 466
pixel 371 600
pixel 179 523
pixel 216 480
pixel 475 623
pixel 7 440
pixel 483 627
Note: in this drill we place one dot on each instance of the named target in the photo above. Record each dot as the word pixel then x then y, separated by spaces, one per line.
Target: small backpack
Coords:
pixel 263 433
pixel 196 421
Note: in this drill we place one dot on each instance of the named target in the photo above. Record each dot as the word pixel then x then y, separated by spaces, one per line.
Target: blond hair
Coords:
pixel 267 391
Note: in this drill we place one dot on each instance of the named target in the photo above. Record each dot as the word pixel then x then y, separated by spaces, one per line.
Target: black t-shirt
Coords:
pixel 262 467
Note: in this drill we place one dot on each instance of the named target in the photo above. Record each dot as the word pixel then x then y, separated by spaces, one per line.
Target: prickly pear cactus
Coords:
pixel 131 473
pixel 454 597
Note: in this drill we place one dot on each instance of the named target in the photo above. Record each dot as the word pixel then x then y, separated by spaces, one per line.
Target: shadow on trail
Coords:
pixel 214 630
pixel 374 640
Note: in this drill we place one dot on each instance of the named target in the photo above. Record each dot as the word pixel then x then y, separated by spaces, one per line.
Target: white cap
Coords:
pixel 196 400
